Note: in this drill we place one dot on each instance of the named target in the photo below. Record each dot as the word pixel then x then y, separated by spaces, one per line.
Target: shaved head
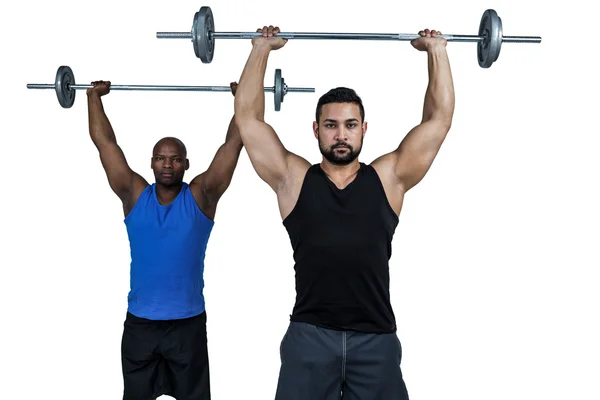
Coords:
pixel 172 140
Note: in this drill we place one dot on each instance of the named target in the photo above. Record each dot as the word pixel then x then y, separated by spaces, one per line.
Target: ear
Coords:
pixel 316 130
pixel 364 128
pixel 187 164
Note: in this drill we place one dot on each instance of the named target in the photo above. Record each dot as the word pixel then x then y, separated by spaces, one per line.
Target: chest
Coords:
pixel 182 218
pixel 356 215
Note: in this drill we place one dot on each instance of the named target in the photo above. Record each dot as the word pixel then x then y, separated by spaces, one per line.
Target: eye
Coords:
pixel 351 125
pixel 330 126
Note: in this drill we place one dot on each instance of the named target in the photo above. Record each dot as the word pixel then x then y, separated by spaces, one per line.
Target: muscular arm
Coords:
pixel 282 170
pixel 409 163
pixel 123 181
pixel 209 186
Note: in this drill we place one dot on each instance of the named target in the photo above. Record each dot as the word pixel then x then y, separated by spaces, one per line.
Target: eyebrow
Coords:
pixel 348 120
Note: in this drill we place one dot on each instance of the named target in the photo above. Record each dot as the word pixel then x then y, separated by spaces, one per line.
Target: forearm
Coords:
pixel 100 128
pixel 229 153
pixel 250 95
pixel 219 174
pixel 233 138
pixel 439 97
pixel 228 156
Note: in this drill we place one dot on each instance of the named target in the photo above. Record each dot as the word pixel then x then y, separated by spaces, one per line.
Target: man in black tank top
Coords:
pixel 341 216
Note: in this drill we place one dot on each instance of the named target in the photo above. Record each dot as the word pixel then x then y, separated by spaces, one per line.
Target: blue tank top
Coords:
pixel 168 245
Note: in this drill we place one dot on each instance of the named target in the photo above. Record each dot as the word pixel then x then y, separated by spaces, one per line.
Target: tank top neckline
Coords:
pixel 183 187
pixel 332 184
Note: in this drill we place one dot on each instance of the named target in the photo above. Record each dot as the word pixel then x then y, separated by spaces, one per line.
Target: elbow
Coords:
pixel 443 114
pixel 443 119
pixel 245 110
pixel 439 110
pixel 243 118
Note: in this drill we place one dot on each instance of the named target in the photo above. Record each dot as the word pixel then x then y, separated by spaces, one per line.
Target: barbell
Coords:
pixel 65 87
pixel 489 39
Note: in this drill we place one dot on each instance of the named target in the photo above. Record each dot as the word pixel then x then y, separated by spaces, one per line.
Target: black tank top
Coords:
pixel 342 245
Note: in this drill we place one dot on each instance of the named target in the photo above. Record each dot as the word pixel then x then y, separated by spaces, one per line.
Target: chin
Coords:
pixel 342 160
pixel 162 182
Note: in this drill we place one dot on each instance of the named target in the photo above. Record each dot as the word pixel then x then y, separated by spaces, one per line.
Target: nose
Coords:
pixel 341 134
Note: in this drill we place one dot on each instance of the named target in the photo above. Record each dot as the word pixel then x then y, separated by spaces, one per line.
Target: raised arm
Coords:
pixel 409 163
pixel 209 186
pixel 275 165
pixel 123 181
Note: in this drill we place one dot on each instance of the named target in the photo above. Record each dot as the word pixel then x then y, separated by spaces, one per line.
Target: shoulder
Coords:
pixel 143 200
pixel 143 193
pixel 147 191
pixel 314 168
pixel 381 172
pixel 369 169
pixel 188 191
pixel 194 195
pixel 312 171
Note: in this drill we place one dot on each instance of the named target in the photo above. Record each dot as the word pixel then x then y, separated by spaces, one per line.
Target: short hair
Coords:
pixel 340 95
pixel 171 139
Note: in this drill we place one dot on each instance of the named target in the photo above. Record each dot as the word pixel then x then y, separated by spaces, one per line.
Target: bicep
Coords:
pixel 417 151
pixel 267 154
pixel 122 180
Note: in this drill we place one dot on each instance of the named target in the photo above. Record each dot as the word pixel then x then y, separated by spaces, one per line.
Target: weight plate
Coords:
pixel 278 92
pixel 202 38
pixel 490 28
pixel 64 79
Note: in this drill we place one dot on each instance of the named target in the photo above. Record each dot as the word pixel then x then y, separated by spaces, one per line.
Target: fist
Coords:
pixel 428 38
pixel 268 37
pixel 99 87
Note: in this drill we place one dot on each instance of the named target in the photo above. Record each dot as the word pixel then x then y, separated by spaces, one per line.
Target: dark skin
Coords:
pixel 169 161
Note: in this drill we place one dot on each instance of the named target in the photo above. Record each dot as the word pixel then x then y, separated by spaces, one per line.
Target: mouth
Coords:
pixel 167 174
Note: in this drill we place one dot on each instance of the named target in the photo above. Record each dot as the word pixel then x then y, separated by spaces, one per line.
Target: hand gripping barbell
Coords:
pixel 65 87
pixel 489 40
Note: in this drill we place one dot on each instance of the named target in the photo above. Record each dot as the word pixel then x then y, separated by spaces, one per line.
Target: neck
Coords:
pixel 340 173
pixel 167 194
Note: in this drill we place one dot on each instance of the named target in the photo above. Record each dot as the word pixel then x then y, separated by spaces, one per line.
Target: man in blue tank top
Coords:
pixel 164 347
pixel 341 215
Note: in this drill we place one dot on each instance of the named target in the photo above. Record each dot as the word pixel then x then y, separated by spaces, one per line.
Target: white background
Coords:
pixel 494 266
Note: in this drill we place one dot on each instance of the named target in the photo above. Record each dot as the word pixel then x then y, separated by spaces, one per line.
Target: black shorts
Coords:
pixel 324 364
pixel 165 358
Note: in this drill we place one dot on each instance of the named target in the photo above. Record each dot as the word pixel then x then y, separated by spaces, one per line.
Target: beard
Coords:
pixel 338 158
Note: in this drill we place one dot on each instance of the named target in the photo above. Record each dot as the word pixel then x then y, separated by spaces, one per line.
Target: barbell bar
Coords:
pixel 489 38
pixel 65 87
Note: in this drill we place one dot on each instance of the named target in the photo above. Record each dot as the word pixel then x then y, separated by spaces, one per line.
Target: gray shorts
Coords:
pixel 324 364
